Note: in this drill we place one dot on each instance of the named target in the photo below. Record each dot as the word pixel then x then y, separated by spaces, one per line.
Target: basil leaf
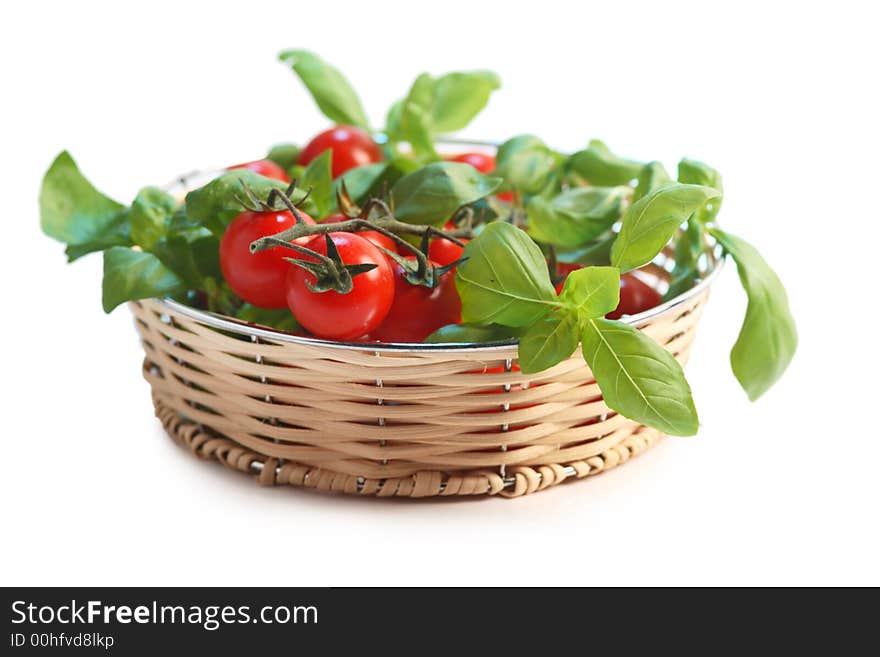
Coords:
pixel 284 155
pixel 414 119
pixel 525 162
pixel 651 222
pixel 280 319
pixel 459 97
pixel 130 275
pixel 688 249
pixel 332 92
pixel 216 204
pixel 369 181
pixel 694 172
pixel 601 167
pixel 653 176
pixel 768 337
pixel 576 216
pixel 639 379
pixel 149 215
pixel 549 341
pixel 360 180
pixel 592 291
pixel 697 173
pixel 597 252
pixel 191 259
pixel 73 211
pixel 319 178
pixel 504 278
pixel 432 194
pixel 472 334
pixel 117 233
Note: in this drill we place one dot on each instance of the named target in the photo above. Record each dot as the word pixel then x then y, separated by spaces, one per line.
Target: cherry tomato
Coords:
pixel 444 252
pixel 258 278
pixel 336 316
pixel 564 269
pixel 352 147
pixel 418 311
pixel 374 236
pixel 266 168
pixel 485 164
pixel 482 162
pixel 635 296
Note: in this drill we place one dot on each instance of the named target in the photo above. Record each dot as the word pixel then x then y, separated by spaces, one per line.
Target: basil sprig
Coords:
pixel 157 246
pixel 438 105
pixel 505 281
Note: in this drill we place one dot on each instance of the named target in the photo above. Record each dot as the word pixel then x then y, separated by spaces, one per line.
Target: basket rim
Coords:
pixel 233 325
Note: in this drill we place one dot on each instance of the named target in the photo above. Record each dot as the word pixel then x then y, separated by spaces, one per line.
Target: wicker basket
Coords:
pixel 392 420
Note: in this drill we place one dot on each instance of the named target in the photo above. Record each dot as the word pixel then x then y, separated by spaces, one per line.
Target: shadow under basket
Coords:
pixel 392 420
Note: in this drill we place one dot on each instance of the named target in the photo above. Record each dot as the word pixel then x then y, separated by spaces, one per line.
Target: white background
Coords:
pixel 780 97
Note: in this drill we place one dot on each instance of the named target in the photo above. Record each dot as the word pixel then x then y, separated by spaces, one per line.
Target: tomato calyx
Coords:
pixel 254 204
pixel 420 271
pixel 330 272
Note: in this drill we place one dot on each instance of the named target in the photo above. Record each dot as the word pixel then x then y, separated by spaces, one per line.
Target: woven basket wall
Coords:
pixel 375 420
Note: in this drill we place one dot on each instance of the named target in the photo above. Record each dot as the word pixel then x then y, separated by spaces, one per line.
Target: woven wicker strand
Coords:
pixel 377 421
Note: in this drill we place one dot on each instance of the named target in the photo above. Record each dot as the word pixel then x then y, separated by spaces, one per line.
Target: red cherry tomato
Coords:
pixel 635 296
pixel 336 316
pixel 444 252
pixel 352 147
pixel 374 236
pixel 482 162
pixel 258 278
pixel 564 269
pixel 418 311
pixel 266 168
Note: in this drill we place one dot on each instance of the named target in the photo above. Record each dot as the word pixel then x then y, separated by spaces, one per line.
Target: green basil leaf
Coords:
pixel 333 94
pixel 130 275
pixel 432 194
pixel 360 180
pixel 459 97
pixel 280 319
pixel 216 204
pixel 319 178
pixel 414 120
pixel 150 214
pixel 601 167
pixel 525 162
pixel 504 278
pixel 549 341
pixel 653 176
pixel 284 155
pixel 192 260
pixel 650 222
pixel 592 291
pixel 597 252
pixel 688 249
pixel 73 211
pixel 694 172
pixel 117 233
pixel 768 337
pixel 472 334
pixel 576 216
pixel 638 378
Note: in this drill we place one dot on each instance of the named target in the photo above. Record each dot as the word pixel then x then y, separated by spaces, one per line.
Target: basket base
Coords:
pixel 517 480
